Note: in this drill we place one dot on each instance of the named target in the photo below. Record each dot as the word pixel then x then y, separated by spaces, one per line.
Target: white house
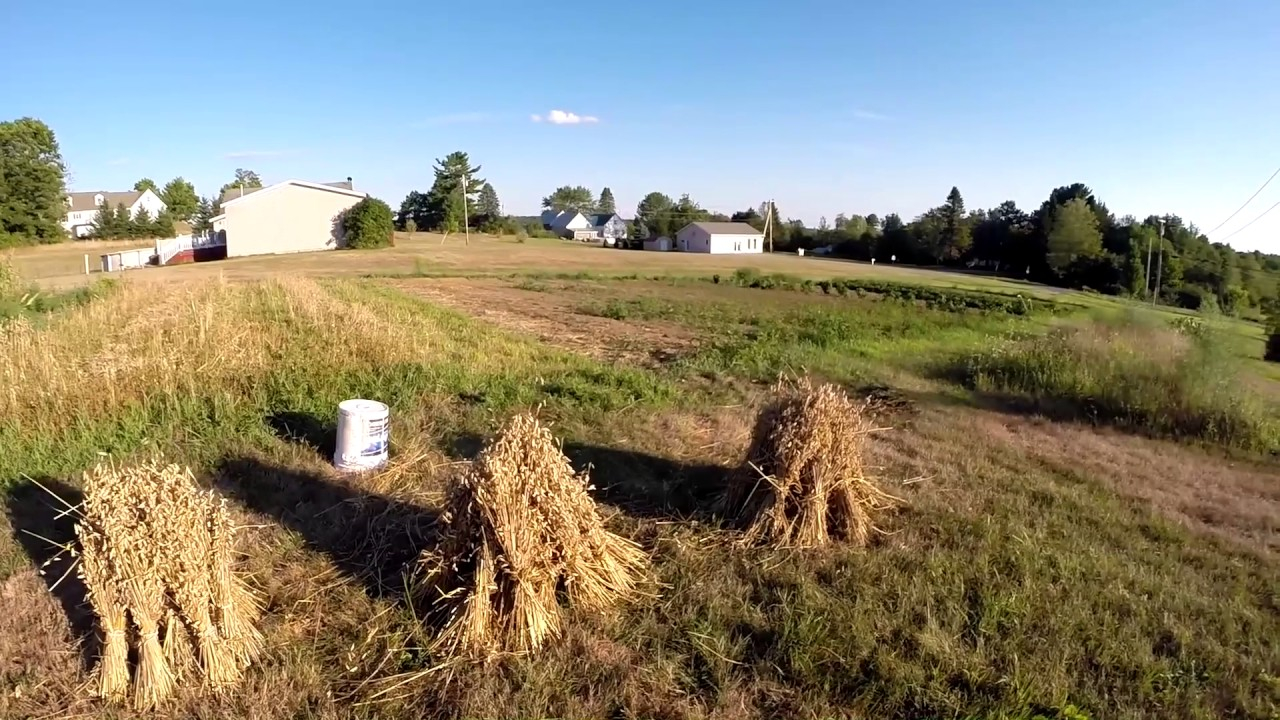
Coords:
pixel 82 207
pixel 720 238
pixel 568 224
pixel 288 217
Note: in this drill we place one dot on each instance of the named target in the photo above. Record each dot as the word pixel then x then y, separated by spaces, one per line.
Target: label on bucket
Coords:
pixel 363 435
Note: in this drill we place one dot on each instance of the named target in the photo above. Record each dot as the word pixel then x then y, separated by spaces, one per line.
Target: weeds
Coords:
pixel 1176 382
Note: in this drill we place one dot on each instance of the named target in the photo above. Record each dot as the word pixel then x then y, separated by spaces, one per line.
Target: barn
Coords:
pixel 720 238
pixel 288 217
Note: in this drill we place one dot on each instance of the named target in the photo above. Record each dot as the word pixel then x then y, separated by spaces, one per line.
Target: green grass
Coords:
pixel 1178 381
pixel 1009 584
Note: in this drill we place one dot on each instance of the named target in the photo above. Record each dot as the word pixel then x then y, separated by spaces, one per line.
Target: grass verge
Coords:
pixel 1167 380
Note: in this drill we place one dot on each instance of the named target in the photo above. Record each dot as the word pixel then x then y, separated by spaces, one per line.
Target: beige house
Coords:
pixel 288 217
pixel 82 207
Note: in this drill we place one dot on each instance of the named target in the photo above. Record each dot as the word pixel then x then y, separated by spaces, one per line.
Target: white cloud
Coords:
pixel 252 154
pixel 869 115
pixel 562 117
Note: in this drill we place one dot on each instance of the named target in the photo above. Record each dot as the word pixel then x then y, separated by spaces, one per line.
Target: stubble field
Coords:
pixel 1085 531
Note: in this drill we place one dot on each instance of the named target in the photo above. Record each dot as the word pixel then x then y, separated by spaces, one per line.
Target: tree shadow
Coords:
pixel 642 484
pixel 651 486
pixel 43 526
pixel 368 537
pixel 305 429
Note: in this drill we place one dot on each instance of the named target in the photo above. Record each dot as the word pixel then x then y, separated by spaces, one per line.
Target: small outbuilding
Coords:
pixel 720 238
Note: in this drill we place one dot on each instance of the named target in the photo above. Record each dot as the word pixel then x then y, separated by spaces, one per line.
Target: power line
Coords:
pixel 1264 212
pixel 1246 204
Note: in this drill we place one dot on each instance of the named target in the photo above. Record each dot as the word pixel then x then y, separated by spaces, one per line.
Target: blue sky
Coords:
pixel 828 107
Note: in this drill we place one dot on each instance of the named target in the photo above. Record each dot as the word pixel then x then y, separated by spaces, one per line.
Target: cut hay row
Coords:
pixel 519 524
pixel 804 482
pixel 159 551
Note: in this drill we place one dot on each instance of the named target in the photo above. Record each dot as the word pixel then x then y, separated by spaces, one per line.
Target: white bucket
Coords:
pixel 364 434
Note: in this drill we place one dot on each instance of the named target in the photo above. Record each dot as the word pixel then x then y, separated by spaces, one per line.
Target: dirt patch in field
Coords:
pixel 553 318
pixel 1230 498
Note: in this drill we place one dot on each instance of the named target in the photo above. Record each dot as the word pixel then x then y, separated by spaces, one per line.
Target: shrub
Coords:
pixel 1166 381
pixel 1272 351
pixel 368 224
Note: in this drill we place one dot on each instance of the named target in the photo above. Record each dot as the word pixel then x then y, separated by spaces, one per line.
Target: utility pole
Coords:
pixel 768 224
pixel 1155 299
pixel 466 214
pixel 1147 286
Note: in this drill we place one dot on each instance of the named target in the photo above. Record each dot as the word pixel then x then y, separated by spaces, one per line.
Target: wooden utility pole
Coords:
pixel 1155 299
pixel 768 224
pixel 466 214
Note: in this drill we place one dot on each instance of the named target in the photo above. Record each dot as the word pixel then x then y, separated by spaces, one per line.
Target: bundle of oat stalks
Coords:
pixel 520 527
pixel 157 550
pixel 803 482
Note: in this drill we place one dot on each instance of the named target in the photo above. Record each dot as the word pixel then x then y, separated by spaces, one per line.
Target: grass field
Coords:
pixel 425 253
pixel 1058 554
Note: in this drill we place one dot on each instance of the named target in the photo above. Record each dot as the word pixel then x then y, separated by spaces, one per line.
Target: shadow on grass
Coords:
pixel 641 484
pixel 42 525
pixel 305 429
pixel 368 537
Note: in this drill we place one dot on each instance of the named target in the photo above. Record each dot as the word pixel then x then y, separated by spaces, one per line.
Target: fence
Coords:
pixel 167 250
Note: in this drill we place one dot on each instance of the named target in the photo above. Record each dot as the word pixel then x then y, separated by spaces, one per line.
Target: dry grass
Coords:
pixel 153 544
pixel 518 525
pixel 804 481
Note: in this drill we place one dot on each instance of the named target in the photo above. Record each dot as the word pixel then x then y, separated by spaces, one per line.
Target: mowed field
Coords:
pixel 1089 524
pixel 61 266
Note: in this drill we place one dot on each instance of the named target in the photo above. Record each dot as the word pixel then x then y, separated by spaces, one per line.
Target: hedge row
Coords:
pixel 939 298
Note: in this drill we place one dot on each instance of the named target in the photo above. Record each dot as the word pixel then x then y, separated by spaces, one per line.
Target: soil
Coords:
pixel 554 318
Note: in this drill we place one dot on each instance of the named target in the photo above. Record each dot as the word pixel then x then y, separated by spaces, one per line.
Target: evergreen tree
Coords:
pixel 606 204
pixel 956 236
pixel 122 223
pixel 873 224
pixel 142 225
pixel 452 213
pixel 452 171
pixel 487 207
pixel 146 184
pixel 201 221
pixel 104 222
pixel 163 225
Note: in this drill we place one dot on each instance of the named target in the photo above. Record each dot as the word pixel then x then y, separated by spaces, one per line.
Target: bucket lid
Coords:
pixel 361 406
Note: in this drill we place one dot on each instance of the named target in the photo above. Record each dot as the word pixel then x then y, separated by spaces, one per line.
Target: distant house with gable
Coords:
pixel 82 207
pixel 572 225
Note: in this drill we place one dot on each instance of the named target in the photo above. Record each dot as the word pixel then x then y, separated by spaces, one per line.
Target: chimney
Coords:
pixel 350 185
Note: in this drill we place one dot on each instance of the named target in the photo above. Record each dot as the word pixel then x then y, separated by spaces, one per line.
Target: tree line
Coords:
pixel 1071 240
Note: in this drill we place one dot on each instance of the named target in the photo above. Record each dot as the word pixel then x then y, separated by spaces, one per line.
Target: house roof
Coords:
pixel 258 192
pixel 236 192
pixel 345 185
pixel 725 228
pixel 601 218
pixel 84 200
pixel 563 219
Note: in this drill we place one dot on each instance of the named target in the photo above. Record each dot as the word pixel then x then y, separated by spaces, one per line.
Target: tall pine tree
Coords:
pixel 487 206
pixel 956 234
pixel 451 172
pixel 606 204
